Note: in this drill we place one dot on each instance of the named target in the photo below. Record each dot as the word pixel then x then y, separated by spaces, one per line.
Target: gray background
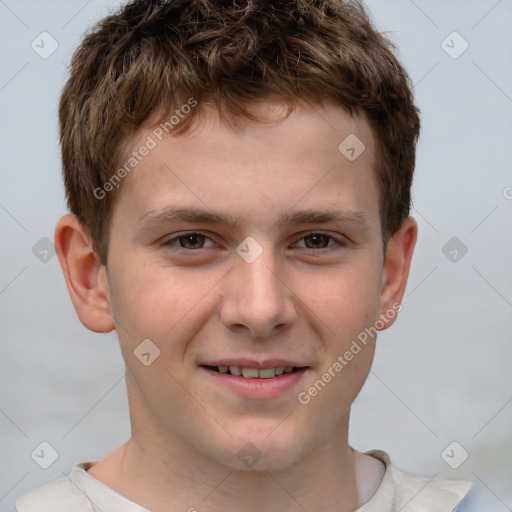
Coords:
pixel 441 374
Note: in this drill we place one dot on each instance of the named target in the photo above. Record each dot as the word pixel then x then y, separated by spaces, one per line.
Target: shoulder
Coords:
pixel 60 495
pixel 412 492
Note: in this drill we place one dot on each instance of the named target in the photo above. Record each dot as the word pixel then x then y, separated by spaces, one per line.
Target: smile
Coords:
pixel 264 383
pixel 252 373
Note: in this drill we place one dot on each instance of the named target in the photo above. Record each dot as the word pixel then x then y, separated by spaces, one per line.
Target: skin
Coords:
pixel 303 297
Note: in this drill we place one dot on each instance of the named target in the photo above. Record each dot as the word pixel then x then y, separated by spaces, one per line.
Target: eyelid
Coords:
pixel 176 236
pixel 339 240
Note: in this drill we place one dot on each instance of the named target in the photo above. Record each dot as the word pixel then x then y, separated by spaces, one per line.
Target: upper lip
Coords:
pixel 250 363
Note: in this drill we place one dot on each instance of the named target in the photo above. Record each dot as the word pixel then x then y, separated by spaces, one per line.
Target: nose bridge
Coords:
pixel 256 297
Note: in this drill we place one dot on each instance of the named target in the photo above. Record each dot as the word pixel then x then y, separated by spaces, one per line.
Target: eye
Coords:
pixel 193 241
pixel 189 241
pixel 321 241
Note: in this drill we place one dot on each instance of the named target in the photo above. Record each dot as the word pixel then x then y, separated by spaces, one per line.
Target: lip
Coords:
pixel 260 389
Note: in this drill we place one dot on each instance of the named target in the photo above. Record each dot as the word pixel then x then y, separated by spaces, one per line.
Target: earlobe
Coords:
pixel 396 270
pixel 84 274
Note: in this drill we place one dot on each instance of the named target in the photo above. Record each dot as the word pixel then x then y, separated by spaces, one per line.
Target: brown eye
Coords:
pixel 318 240
pixel 321 242
pixel 191 241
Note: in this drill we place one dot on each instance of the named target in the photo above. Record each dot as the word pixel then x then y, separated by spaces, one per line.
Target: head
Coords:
pixel 241 110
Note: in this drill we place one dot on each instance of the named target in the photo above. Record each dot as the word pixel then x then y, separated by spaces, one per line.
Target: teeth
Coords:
pixel 250 373
pixel 267 373
pixel 254 373
pixel 235 370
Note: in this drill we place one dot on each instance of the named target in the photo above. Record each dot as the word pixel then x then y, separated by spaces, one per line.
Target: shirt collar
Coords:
pixel 401 491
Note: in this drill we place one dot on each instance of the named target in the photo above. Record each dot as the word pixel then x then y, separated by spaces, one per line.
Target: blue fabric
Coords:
pixel 480 499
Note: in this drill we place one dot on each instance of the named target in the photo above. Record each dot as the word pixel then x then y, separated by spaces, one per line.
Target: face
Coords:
pixel 257 249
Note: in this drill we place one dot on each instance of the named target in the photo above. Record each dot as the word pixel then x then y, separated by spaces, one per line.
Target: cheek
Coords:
pixel 345 299
pixel 166 305
pixel 146 294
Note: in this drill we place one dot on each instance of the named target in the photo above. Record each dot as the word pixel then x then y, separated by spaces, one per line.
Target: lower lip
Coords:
pixel 257 388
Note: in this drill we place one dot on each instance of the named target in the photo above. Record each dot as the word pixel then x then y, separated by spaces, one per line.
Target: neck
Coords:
pixel 162 472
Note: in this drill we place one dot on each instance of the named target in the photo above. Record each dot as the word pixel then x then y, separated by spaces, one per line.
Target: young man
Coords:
pixel 239 179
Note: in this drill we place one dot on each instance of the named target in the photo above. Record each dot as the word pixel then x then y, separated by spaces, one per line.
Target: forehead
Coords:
pixel 317 154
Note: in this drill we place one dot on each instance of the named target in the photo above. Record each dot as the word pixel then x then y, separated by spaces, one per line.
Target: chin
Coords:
pixel 263 452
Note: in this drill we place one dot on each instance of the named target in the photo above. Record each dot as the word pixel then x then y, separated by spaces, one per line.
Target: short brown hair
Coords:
pixel 152 55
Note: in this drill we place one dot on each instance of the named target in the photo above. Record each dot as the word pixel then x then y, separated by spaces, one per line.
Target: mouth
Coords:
pixel 251 372
pixel 254 380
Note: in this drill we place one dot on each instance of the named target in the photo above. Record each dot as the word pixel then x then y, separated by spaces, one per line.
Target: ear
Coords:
pixel 85 276
pixel 395 271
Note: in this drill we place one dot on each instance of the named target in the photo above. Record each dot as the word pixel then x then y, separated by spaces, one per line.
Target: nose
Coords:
pixel 257 298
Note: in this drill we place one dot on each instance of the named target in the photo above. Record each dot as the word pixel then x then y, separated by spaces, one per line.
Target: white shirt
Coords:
pixel 399 491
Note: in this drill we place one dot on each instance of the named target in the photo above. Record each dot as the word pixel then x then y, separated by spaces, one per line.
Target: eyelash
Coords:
pixel 169 242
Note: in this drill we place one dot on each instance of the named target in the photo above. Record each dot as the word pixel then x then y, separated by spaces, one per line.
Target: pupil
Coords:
pixel 191 240
pixel 317 238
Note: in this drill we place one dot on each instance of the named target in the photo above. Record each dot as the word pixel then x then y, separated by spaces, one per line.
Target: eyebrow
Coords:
pixel 162 216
